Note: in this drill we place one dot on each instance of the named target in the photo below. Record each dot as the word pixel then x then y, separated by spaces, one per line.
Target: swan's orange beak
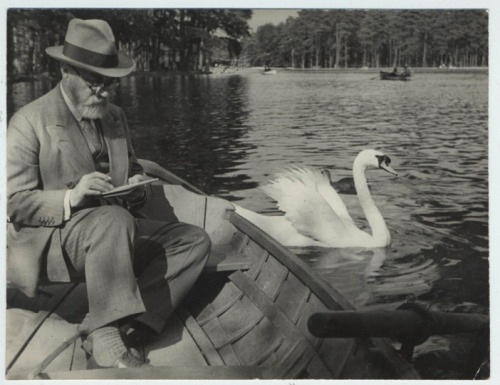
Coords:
pixel 388 168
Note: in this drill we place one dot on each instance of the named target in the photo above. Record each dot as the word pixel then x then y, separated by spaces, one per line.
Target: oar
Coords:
pixel 411 324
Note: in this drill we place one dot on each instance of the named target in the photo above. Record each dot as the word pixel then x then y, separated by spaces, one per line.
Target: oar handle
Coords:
pixel 409 324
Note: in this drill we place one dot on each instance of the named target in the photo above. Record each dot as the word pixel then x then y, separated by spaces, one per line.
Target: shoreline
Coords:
pixel 424 70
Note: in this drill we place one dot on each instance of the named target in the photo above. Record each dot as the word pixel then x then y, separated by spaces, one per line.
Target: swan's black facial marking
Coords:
pixel 383 159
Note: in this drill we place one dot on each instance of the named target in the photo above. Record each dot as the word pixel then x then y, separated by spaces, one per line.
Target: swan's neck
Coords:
pixel 377 224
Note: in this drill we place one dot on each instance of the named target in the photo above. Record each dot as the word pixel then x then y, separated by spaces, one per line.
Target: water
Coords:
pixel 230 134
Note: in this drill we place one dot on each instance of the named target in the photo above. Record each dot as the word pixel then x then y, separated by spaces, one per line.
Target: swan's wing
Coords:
pixel 305 197
pixel 316 179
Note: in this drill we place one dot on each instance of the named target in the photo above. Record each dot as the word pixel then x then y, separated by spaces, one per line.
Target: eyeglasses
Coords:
pixel 108 84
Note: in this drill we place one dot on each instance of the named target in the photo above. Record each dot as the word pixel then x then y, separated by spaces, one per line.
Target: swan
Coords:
pixel 315 215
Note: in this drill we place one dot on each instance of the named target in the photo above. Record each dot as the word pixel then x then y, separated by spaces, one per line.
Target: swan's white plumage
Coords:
pixel 311 205
pixel 315 215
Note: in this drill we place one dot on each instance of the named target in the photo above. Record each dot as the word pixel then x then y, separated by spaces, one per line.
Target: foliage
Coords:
pixel 372 38
pixel 194 39
pixel 159 39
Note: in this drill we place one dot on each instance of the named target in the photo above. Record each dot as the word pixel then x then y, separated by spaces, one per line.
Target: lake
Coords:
pixel 229 134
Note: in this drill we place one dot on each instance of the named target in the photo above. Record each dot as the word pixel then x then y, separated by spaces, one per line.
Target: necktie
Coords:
pixel 92 136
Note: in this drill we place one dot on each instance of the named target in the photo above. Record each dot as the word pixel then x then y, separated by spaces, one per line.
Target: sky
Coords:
pixel 273 16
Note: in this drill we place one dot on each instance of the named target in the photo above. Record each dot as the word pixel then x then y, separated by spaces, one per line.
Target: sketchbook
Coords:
pixel 124 190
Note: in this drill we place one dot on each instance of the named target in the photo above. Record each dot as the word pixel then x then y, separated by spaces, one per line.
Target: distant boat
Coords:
pixel 269 71
pixel 395 76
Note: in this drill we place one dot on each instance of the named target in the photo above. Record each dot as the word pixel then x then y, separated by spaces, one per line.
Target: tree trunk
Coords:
pixel 317 51
pixel 346 55
pixel 424 51
pixel 338 46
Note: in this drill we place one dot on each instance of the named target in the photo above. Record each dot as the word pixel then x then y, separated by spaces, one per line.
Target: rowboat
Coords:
pixel 246 318
pixel 395 76
pixel 269 72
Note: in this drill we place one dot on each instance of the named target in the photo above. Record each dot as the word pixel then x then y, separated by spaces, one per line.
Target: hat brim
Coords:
pixel 125 66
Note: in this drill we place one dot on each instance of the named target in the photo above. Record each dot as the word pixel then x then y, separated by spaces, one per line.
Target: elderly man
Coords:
pixel 64 150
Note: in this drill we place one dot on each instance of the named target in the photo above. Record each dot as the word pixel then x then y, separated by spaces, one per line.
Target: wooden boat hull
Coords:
pixel 245 318
pixel 392 76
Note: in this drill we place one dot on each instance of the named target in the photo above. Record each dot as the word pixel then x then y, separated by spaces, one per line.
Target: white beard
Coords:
pixel 94 108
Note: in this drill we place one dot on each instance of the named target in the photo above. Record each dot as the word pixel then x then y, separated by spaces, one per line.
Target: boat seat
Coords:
pixel 225 258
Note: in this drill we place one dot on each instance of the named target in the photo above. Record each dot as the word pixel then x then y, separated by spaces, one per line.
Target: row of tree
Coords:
pixel 159 39
pixel 373 38
pixel 195 39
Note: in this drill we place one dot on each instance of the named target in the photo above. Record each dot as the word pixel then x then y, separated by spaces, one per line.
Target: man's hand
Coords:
pixel 90 185
pixel 137 193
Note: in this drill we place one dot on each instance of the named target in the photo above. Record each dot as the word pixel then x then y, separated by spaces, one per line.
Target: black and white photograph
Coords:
pixel 245 193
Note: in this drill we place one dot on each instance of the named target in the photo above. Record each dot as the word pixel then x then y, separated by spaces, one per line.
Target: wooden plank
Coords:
pixel 19 324
pixel 278 355
pixel 229 355
pixel 225 258
pixel 217 224
pixel 271 277
pixel 259 344
pixel 199 336
pixel 292 296
pixel 51 334
pixel 226 298
pixel 171 373
pixel 291 358
pixel 234 323
pixel 265 354
pixel 298 369
pixel 270 310
pixel 60 292
pixel 361 364
pixel 331 297
pixel 176 346
pixel 336 352
pixel 256 253
pixel 239 240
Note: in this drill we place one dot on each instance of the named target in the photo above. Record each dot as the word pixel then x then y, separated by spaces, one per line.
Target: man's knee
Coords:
pixel 199 238
pixel 115 218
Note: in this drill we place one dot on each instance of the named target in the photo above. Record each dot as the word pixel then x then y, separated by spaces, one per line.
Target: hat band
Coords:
pixel 89 57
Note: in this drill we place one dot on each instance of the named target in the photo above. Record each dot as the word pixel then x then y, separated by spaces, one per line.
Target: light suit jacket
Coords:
pixel 46 155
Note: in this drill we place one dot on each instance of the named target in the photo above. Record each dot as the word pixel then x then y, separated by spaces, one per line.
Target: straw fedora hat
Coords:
pixel 90 45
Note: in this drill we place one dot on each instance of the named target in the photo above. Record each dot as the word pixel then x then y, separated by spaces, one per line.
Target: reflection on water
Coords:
pixel 228 135
pixel 191 125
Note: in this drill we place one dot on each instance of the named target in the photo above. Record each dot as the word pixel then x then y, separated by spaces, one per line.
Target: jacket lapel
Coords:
pixel 66 132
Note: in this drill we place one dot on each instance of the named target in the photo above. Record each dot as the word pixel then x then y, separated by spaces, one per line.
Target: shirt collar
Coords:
pixel 70 105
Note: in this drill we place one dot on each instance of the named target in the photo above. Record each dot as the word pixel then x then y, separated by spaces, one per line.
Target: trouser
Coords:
pixel 133 267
